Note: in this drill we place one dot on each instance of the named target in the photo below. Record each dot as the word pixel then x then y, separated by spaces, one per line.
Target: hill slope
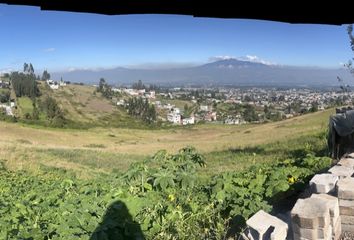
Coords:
pixel 81 105
pixel 105 149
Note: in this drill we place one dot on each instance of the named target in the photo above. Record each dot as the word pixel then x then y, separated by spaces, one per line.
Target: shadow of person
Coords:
pixel 117 224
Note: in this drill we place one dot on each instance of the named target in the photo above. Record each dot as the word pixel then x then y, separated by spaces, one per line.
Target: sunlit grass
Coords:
pixel 105 149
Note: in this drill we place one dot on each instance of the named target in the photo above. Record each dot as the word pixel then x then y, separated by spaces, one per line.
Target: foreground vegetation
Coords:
pixel 163 197
pixel 113 183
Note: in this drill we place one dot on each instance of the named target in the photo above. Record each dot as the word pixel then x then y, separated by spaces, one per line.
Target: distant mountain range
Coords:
pixel 224 72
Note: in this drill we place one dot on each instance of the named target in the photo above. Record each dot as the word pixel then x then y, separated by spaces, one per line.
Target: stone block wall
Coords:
pixel 326 214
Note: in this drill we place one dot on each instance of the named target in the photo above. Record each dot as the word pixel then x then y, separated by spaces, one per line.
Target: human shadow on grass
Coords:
pixel 118 224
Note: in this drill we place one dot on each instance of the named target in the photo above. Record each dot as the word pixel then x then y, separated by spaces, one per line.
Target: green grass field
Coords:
pixel 24 106
pixel 85 172
pixel 103 150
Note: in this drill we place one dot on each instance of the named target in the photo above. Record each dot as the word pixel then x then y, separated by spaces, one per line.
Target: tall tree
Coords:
pixel 351 39
pixel 250 114
pixel 139 85
pixel 25 67
pixel 24 84
pixel 45 75
pixel 139 108
pixel 101 85
pixel 31 69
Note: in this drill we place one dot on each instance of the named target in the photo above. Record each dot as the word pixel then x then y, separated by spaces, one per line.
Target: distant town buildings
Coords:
pixel 230 105
pixel 53 84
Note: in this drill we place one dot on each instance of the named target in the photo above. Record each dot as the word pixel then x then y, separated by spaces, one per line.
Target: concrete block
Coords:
pixel 347 162
pixel 345 188
pixel 346 207
pixel 341 171
pixel 311 213
pixel 265 226
pixel 328 235
pixel 337 229
pixel 323 183
pixel 347 228
pixel 308 233
pixel 333 205
pixel 347 219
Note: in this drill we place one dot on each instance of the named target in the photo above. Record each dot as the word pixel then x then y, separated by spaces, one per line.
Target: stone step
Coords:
pixel 323 183
pixel 265 226
pixel 345 188
pixel 311 213
pixel 346 207
pixel 347 162
pixel 341 171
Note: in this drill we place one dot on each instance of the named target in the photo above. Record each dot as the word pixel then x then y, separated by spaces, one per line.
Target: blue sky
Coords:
pixel 63 40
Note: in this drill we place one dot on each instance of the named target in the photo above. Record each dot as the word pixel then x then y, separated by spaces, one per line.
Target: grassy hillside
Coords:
pixel 107 149
pixel 105 181
pixel 25 106
pixel 83 108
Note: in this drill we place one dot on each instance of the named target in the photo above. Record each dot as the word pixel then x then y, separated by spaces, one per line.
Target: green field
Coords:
pixel 95 192
pixel 109 181
pixel 225 147
pixel 25 106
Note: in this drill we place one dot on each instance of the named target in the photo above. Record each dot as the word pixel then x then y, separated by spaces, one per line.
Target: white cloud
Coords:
pixel 250 58
pixel 256 59
pixel 221 57
pixel 49 50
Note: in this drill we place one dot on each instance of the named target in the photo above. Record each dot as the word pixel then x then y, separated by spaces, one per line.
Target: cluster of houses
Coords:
pixel 136 92
pixel 55 85
pixel 234 120
pixel 4 84
pixel 283 103
pixel 8 107
pixel 282 99
pixel 175 117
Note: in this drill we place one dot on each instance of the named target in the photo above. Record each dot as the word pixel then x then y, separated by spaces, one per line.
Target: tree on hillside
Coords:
pixel 4 97
pixel 105 89
pixel 153 87
pixel 45 75
pixel 28 68
pixel 351 38
pixel 25 67
pixel 249 113
pixel 345 88
pixel 139 85
pixel 101 85
pixel 31 69
pixel 314 107
pixel 54 113
pixel 35 111
pixel 140 108
pixel 24 84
